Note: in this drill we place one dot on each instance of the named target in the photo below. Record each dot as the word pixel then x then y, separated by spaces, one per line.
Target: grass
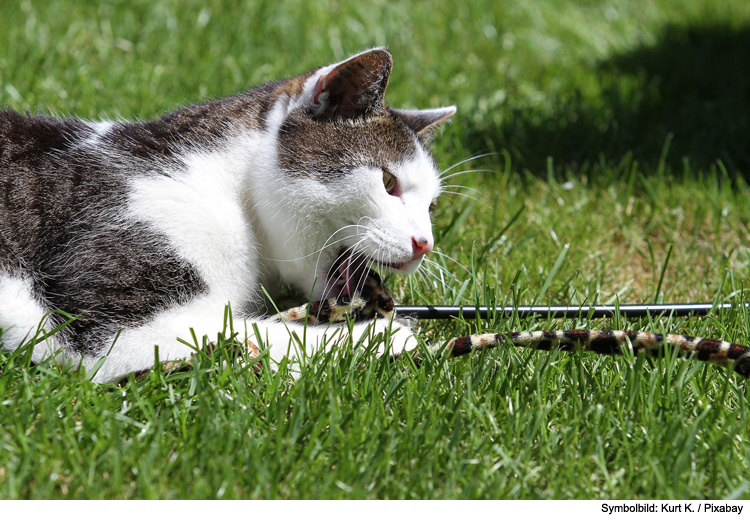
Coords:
pixel 616 173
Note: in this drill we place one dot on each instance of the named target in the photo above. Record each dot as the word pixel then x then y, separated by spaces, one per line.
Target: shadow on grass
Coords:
pixel 692 86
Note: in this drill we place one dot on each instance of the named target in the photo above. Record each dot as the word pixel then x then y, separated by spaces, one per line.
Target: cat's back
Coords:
pixel 41 154
pixel 35 155
pixel 29 138
pixel 56 172
pixel 51 173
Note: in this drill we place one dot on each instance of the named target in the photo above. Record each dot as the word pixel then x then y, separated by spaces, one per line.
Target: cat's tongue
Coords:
pixel 346 279
pixel 348 276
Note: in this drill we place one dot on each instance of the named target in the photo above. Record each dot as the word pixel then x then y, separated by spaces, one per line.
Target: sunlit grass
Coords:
pixel 556 94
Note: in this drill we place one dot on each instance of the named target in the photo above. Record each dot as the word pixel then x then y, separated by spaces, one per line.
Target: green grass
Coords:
pixel 613 132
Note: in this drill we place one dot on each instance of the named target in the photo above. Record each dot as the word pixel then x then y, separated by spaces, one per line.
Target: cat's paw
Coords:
pixel 397 339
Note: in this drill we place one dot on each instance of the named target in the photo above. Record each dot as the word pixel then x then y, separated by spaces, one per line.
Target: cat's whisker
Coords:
pixel 439 278
pixel 355 267
pixel 366 264
pixel 468 171
pixel 439 267
pixel 441 254
pixel 360 261
pixel 331 277
pixel 469 196
pixel 466 160
pixel 320 252
pixel 325 246
pixel 422 276
pixel 454 186
pixel 349 254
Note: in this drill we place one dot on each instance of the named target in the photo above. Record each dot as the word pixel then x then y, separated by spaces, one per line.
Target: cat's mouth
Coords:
pixel 349 271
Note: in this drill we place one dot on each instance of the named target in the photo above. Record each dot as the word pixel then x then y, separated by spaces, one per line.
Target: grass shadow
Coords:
pixel 692 85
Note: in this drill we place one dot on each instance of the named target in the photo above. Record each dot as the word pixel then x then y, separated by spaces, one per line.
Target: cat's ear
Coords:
pixel 351 88
pixel 423 122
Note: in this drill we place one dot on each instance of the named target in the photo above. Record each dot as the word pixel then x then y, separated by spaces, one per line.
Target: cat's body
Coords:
pixel 148 230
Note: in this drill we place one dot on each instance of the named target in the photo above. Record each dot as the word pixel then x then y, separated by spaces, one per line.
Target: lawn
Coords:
pixel 600 154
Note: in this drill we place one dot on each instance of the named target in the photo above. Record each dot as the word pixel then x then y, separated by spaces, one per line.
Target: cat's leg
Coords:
pixel 239 352
pixel 133 349
pixel 297 341
pixel 174 334
pixel 23 317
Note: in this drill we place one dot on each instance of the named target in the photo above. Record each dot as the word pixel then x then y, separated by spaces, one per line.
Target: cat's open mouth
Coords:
pixel 349 271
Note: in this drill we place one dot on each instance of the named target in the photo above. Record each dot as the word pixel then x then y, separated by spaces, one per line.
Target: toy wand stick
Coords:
pixel 559 312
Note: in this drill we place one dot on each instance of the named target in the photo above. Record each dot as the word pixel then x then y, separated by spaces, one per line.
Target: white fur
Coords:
pixel 100 129
pixel 22 316
pixel 201 211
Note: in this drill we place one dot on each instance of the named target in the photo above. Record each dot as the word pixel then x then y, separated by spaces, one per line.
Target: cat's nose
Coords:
pixel 421 246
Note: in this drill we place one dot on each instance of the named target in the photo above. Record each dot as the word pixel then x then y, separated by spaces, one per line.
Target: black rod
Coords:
pixel 559 312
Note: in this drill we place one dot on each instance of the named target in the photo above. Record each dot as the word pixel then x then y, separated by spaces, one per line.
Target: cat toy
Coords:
pixel 558 312
pixel 608 342
pixel 375 300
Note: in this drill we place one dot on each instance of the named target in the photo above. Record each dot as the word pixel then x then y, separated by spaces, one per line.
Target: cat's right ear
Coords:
pixel 351 88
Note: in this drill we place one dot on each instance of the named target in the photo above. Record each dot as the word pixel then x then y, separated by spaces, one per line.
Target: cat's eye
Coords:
pixel 389 181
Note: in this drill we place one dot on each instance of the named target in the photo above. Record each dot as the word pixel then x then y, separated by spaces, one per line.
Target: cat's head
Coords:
pixel 356 179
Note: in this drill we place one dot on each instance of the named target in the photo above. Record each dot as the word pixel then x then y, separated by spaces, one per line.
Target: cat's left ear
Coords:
pixel 423 122
pixel 351 88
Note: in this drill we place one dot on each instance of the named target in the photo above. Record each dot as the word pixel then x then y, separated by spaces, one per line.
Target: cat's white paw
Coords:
pixel 397 338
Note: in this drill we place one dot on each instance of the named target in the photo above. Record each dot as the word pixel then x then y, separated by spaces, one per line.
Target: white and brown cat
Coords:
pixel 146 231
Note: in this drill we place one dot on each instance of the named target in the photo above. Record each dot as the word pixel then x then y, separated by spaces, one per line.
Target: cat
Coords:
pixel 146 231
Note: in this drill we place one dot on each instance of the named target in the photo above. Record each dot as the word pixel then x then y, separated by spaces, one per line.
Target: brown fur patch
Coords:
pixel 292 87
pixel 331 149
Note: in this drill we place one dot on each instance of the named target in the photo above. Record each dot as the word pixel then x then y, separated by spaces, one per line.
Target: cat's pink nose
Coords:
pixel 421 246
